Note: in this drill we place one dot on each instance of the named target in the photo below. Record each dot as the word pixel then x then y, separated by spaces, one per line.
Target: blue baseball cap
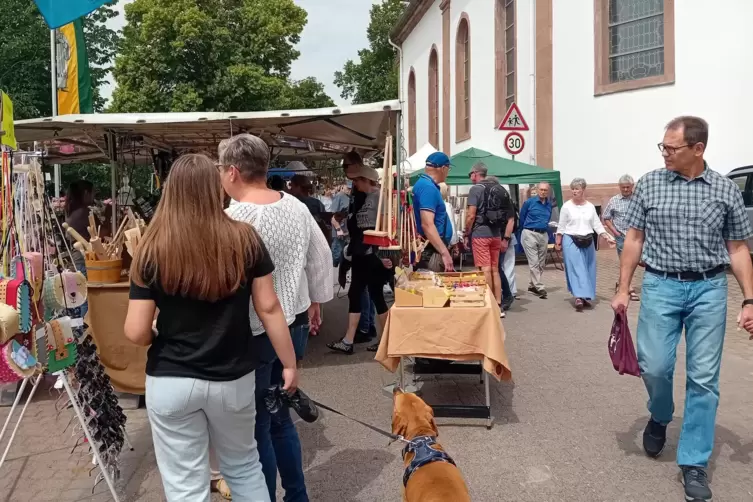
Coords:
pixel 437 159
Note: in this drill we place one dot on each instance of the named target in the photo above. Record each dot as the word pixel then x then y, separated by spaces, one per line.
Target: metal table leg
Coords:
pixel 488 400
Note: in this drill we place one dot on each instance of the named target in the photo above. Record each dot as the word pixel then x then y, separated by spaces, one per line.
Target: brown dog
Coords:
pixel 436 481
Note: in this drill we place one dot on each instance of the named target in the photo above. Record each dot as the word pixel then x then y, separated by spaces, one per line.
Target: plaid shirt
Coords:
pixel 686 222
pixel 616 211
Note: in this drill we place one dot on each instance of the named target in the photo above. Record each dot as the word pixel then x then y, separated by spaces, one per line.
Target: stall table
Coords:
pixel 124 362
pixel 450 334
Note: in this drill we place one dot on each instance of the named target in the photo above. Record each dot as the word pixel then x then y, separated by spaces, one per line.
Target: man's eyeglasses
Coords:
pixel 671 150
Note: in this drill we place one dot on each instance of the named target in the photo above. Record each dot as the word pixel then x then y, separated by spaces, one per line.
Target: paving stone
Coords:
pixel 566 428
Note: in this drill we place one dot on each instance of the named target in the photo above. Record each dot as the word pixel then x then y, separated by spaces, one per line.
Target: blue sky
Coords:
pixel 335 31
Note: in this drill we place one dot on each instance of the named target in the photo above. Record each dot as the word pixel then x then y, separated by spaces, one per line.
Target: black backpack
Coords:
pixel 495 201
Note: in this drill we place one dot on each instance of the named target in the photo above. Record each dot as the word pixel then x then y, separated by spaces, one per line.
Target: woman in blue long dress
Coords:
pixel 575 237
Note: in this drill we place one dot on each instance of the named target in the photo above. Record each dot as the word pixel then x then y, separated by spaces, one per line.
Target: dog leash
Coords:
pixel 393 437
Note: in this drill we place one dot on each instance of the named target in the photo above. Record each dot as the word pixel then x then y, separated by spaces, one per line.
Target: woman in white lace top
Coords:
pixel 575 236
pixel 302 280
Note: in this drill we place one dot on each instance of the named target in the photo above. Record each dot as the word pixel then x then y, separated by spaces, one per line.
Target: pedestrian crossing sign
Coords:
pixel 513 120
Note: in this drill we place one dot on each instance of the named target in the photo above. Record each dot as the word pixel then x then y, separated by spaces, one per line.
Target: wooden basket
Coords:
pixel 473 297
pixel 105 271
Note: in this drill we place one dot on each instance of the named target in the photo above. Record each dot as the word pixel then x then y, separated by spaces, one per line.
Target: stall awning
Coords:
pixel 301 134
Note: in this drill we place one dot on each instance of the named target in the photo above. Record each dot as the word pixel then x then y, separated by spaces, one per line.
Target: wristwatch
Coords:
pixel 748 301
pixel 507 238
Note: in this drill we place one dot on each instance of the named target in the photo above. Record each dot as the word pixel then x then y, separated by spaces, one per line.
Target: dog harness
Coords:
pixel 424 454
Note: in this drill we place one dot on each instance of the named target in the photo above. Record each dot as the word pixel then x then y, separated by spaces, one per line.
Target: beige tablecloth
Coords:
pixel 454 333
pixel 124 362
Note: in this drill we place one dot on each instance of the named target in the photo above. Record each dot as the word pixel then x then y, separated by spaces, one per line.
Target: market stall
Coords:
pixel 447 317
pixel 157 138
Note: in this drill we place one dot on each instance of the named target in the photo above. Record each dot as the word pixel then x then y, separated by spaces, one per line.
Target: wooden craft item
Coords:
pixel 99 249
pixel 72 232
pixel 380 236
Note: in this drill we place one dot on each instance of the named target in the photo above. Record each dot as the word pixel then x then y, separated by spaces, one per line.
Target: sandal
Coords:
pixel 373 347
pixel 634 296
pixel 220 486
pixel 578 305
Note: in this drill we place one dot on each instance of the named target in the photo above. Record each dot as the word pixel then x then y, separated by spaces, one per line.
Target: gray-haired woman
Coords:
pixel 578 222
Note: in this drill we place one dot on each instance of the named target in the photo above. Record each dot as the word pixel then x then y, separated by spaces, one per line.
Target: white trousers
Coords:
pixel 185 413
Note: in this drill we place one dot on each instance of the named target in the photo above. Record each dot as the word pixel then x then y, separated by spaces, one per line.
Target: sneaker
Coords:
pixel 502 314
pixel 341 346
pixel 696 483
pixel 654 438
pixel 361 337
pixel 507 302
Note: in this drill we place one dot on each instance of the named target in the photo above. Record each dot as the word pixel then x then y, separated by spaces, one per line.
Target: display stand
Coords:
pixel 79 415
pixel 456 410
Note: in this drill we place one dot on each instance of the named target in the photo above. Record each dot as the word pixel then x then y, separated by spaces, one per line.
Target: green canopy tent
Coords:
pixel 508 172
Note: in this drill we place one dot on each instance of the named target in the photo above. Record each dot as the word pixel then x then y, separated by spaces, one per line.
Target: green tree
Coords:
pixel 306 93
pixel 375 76
pixel 211 55
pixel 25 55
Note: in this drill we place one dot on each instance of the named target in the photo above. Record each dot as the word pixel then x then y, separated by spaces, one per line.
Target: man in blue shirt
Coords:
pixel 432 221
pixel 535 216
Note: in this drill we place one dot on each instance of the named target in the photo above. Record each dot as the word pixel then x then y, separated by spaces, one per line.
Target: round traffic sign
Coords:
pixel 514 143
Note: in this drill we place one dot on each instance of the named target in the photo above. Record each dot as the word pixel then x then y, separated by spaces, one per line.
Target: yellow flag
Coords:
pixel 7 132
pixel 73 78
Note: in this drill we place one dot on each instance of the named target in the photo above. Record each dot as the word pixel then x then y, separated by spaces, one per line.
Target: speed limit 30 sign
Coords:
pixel 514 143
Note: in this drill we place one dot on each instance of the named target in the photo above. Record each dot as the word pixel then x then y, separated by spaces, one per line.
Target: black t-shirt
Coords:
pixel 201 339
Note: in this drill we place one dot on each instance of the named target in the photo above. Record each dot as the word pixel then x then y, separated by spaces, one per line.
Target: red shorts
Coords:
pixel 486 251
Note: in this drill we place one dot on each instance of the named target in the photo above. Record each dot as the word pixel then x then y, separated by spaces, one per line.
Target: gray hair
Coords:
pixel 480 167
pixel 248 153
pixel 578 183
pixel 626 179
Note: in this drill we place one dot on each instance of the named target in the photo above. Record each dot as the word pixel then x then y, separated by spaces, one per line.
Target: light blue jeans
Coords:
pixel 700 307
pixel 184 414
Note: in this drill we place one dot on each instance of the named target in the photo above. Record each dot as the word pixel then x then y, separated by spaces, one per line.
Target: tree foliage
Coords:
pixel 25 55
pixel 375 76
pixel 211 55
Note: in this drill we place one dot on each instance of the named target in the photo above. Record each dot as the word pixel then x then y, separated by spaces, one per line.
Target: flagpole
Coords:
pixel 54 80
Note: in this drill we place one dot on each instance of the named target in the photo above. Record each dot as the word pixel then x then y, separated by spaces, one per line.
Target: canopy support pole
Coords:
pixel 113 154
pixel 54 89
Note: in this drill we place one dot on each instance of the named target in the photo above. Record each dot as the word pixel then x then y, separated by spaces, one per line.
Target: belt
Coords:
pixel 537 230
pixel 688 276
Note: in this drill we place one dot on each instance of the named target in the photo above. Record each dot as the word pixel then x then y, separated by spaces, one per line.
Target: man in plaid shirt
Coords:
pixel 690 223
pixel 614 218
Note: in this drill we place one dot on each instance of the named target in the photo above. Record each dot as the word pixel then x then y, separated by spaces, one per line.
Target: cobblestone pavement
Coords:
pixel 566 428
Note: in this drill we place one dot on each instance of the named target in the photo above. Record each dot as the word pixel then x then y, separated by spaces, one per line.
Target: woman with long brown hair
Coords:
pixel 201 269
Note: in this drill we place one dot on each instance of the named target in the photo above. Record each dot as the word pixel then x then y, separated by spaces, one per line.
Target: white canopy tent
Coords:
pixel 308 134
pixel 313 134
pixel 417 160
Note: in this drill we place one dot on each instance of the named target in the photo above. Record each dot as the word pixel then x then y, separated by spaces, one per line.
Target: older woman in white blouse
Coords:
pixel 575 236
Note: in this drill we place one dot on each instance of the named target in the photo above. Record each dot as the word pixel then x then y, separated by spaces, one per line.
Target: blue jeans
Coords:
pixel 338 245
pixel 700 307
pixel 368 312
pixel 276 435
pixel 620 242
pixel 184 413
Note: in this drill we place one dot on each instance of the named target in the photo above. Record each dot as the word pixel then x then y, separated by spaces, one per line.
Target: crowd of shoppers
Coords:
pixel 236 307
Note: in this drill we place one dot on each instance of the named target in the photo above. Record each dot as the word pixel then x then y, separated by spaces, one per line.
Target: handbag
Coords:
pixel 621 349
pixel 18 294
pixel 582 241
